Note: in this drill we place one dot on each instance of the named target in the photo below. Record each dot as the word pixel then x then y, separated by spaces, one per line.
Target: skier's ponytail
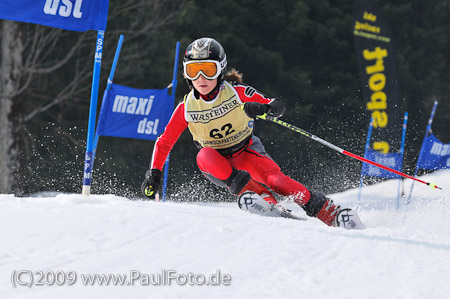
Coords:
pixel 233 76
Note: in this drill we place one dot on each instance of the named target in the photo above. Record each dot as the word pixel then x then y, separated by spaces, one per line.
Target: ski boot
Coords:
pixel 257 199
pixel 324 209
pixel 257 188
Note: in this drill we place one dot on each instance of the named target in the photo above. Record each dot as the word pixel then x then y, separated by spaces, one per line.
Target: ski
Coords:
pixel 348 219
pixel 253 203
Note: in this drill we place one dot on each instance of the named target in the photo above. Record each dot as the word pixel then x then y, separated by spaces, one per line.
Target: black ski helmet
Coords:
pixel 206 48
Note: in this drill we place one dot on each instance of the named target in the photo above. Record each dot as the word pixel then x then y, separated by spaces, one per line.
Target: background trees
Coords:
pixel 301 51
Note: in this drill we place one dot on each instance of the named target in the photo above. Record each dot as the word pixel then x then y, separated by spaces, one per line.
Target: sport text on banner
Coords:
pixel 378 71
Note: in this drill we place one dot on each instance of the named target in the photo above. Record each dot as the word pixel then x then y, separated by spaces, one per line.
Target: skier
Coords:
pixel 220 111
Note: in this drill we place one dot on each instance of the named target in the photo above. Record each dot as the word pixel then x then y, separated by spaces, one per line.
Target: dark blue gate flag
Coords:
pixel 434 154
pixel 134 113
pixel 392 160
pixel 76 15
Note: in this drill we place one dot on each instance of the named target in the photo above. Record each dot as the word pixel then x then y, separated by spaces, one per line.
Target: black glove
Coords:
pixel 276 108
pixel 151 183
pixel 253 109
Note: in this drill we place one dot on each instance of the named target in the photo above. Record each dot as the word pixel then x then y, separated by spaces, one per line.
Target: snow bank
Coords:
pixel 403 253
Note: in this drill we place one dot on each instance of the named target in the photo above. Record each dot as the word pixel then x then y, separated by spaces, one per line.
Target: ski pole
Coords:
pixel 342 151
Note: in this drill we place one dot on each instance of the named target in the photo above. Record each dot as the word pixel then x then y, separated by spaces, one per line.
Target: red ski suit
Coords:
pixel 251 157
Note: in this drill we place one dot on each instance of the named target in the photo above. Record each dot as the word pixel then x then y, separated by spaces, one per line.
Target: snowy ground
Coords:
pixel 402 253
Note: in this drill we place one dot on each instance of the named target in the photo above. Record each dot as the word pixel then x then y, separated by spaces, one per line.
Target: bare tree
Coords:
pixel 28 52
pixel 11 67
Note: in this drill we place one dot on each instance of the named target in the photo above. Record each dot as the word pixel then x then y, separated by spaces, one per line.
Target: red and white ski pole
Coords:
pixel 342 151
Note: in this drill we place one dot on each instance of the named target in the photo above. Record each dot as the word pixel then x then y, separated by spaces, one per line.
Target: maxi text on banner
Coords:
pixel 378 72
pixel 134 113
pixel 75 15
pixel 435 154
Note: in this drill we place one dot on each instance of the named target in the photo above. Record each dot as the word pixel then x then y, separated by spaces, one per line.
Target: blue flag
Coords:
pixel 435 154
pixel 392 160
pixel 134 113
pixel 75 15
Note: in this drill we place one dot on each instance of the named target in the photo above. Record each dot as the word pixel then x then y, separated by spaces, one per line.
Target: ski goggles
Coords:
pixel 210 69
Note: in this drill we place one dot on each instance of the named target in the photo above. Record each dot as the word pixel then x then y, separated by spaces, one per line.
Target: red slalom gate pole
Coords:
pixel 342 151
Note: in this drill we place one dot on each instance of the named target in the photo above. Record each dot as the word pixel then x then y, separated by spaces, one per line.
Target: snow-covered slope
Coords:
pixel 403 253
